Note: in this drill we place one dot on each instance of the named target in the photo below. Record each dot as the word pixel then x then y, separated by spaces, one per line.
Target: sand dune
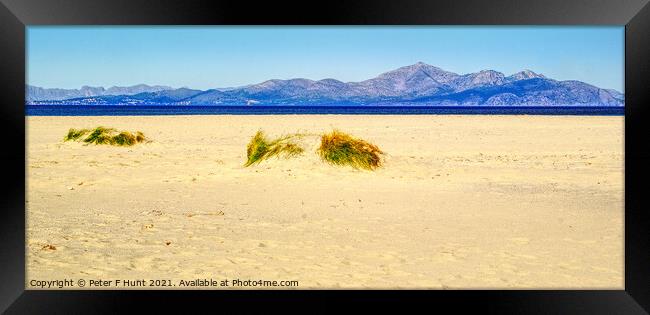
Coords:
pixel 461 202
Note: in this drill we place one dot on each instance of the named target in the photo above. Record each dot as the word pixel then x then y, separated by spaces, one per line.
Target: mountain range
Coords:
pixel 419 84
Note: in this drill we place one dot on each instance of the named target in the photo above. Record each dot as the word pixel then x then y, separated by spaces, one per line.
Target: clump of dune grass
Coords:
pixel 339 148
pixel 100 135
pixel 103 135
pixel 75 134
pixel 261 148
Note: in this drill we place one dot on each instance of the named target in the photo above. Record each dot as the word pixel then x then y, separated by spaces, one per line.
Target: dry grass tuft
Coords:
pixel 100 135
pixel 260 148
pixel 339 148
pixel 75 134
pixel 103 135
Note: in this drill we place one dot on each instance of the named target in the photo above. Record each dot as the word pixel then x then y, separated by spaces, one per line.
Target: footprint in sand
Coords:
pixel 49 247
pixel 152 212
pixel 215 213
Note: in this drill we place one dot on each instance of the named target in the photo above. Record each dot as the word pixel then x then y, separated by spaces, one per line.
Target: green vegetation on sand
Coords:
pixel 261 148
pixel 103 135
pixel 339 148
pixel 75 134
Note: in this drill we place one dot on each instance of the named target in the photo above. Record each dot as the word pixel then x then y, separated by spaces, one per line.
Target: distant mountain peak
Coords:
pixel 88 87
pixel 478 79
pixel 526 74
pixel 330 80
pixel 418 66
pixel 488 74
pixel 419 71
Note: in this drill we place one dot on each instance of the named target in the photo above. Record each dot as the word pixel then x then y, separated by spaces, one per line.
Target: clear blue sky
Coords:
pixel 225 56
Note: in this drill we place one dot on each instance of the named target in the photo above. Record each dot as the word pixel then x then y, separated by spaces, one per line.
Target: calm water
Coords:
pixel 105 110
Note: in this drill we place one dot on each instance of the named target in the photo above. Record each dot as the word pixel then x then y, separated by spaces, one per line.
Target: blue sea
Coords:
pixel 123 110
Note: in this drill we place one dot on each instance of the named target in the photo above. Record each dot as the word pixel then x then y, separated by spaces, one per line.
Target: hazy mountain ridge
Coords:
pixel 35 93
pixel 417 84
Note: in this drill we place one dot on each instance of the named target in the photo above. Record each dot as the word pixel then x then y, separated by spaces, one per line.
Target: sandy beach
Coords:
pixel 461 202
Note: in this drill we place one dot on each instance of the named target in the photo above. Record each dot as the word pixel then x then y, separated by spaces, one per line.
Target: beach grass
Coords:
pixel 339 148
pixel 75 134
pixel 103 135
pixel 100 135
pixel 261 148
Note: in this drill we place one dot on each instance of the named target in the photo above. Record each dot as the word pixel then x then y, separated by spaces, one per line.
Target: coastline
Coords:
pixel 174 110
pixel 478 201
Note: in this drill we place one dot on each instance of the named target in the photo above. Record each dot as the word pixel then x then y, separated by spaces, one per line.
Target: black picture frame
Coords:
pixel 15 15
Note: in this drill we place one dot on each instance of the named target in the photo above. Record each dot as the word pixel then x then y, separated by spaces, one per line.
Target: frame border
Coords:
pixel 15 15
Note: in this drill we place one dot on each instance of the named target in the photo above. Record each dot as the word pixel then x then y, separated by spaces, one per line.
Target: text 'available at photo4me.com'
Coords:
pixel 82 283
